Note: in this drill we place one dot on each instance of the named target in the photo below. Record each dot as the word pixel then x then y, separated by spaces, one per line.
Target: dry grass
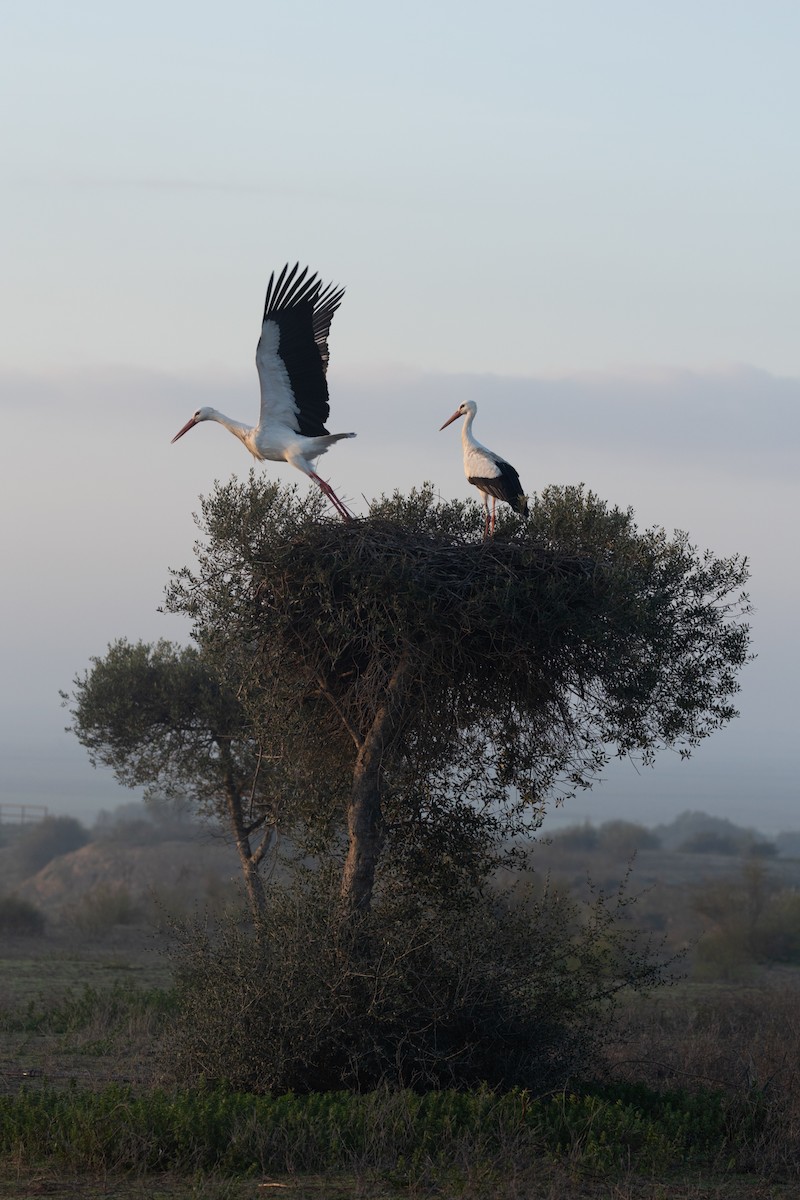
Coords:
pixel 744 1040
pixel 40 977
pixel 737 1037
pixel 25 1185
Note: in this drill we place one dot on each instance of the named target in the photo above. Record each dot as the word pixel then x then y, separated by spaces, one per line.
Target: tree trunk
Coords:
pixel 364 817
pixel 254 884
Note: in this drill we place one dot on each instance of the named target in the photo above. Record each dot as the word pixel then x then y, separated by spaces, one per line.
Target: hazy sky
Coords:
pixel 582 215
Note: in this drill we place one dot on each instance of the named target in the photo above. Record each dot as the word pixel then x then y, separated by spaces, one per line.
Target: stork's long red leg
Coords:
pixel 341 508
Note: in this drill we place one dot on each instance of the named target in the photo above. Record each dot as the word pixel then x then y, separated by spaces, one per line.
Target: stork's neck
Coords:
pixel 467 436
pixel 237 428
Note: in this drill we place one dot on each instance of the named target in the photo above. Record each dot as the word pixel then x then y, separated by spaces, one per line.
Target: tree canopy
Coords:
pixel 439 687
pixel 162 720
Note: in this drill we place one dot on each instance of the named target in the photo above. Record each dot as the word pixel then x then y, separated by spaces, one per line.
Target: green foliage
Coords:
pixel 90 1007
pixel 689 828
pixel 711 841
pixel 102 908
pixel 576 599
pixel 752 919
pixel 41 843
pixel 620 838
pixel 20 918
pixel 406 1133
pixel 510 989
pixel 157 820
pixel 577 837
pixel 519 662
pixel 161 719
pixel 625 838
pixel 715 841
pixel 777 935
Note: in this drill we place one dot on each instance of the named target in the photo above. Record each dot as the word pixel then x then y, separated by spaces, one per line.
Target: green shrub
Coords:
pixel 577 837
pixel 624 838
pixel 753 920
pixel 776 937
pixel 101 909
pixel 20 918
pixel 724 955
pixel 508 994
pixel 406 1133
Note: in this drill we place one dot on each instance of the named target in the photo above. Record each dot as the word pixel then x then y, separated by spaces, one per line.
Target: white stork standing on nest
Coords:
pixel 292 361
pixel 489 473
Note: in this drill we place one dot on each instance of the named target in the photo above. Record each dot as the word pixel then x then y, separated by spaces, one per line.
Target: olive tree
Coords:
pixel 436 688
pixel 162 720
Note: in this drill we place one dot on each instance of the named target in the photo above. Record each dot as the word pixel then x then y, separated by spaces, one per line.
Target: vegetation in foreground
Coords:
pixel 404 1134
pixel 698 1088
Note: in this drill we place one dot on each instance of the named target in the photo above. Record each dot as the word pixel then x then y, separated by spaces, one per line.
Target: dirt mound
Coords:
pixel 190 868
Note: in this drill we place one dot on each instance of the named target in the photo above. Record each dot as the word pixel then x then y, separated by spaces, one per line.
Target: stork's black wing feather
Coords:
pixel 292 354
pixel 505 485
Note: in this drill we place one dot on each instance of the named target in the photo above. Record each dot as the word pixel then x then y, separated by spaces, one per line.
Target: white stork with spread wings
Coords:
pixel 292 361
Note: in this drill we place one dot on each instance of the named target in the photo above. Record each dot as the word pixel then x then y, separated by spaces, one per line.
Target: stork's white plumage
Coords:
pixel 489 473
pixel 292 362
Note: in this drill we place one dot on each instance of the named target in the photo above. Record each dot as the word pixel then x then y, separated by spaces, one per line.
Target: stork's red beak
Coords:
pixel 449 421
pixel 192 421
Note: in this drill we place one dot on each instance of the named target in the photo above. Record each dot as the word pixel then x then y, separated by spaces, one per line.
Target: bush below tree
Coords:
pixel 20 918
pixel 509 990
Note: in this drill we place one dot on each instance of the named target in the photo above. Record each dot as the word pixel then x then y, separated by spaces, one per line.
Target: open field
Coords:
pixel 85 1009
pixel 71 1012
pixel 67 1011
pixel 33 967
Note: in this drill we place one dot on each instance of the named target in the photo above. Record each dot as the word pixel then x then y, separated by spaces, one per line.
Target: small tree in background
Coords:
pixel 625 838
pixel 752 918
pixel 162 720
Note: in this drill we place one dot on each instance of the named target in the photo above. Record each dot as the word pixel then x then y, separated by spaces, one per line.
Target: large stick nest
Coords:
pixel 356 598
